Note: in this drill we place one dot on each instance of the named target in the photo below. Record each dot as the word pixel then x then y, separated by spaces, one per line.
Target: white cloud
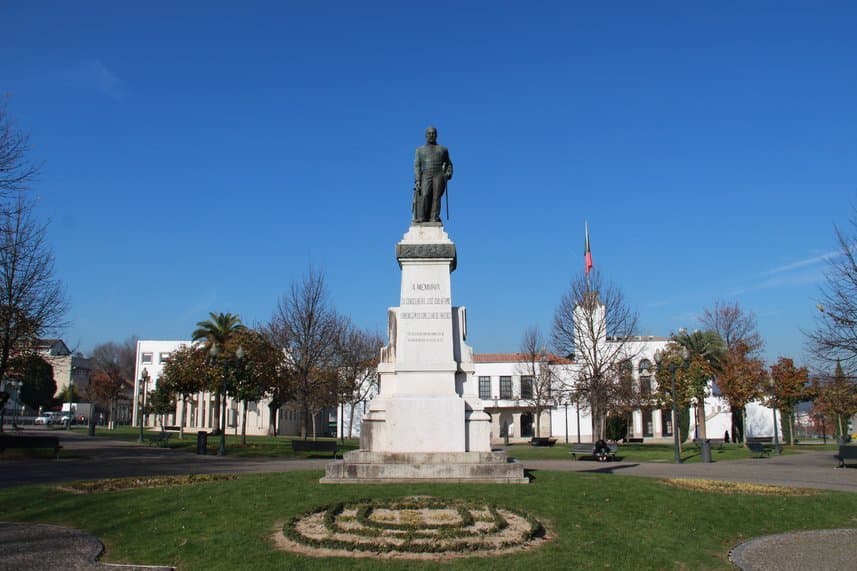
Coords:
pixel 93 74
pixel 803 263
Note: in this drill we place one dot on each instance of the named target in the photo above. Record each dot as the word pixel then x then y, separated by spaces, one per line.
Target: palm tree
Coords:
pixel 707 353
pixel 217 331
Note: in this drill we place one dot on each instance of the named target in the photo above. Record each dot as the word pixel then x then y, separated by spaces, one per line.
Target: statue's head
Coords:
pixel 431 135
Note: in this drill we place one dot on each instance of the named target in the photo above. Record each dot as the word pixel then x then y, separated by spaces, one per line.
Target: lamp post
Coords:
pixel 565 403
pixel 17 384
pixel 144 381
pixel 659 356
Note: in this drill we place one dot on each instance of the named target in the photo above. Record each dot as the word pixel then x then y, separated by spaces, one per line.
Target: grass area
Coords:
pixel 641 452
pixel 257 446
pixel 596 520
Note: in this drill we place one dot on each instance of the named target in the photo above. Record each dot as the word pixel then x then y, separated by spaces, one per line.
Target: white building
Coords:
pixel 198 412
pixel 502 384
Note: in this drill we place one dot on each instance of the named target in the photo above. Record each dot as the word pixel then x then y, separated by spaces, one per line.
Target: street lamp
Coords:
pixel 659 356
pixel 17 384
pixel 144 381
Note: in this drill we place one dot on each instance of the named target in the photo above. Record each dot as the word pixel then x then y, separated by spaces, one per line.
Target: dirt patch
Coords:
pixel 116 484
pixel 726 487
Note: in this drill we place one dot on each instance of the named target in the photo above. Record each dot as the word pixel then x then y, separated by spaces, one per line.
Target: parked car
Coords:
pixel 48 417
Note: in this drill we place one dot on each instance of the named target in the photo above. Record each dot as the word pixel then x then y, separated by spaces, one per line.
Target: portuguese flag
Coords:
pixel 587 253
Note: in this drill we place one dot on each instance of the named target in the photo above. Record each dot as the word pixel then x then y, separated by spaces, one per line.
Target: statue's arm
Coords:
pixel 417 170
pixel 447 165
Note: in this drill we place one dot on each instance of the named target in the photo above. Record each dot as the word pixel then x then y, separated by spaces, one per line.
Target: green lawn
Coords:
pixel 643 452
pixel 597 520
pixel 257 446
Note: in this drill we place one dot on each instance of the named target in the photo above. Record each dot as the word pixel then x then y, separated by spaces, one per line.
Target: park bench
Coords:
pixel 846 453
pixel 758 448
pixel 170 428
pixel 714 442
pixel 161 438
pixel 585 449
pixel 542 441
pixel 30 442
pixel 315 446
pixel 634 440
pixel 761 439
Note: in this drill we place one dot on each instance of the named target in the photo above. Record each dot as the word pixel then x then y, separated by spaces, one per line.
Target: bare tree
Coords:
pixel 114 370
pixel 358 352
pixel 594 325
pixel 16 172
pixel 307 328
pixel 734 325
pixel 834 338
pixel 537 378
pixel 32 300
pixel 739 332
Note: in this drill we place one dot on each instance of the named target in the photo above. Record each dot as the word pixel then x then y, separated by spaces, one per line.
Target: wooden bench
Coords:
pixel 758 448
pixel 30 442
pixel 761 439
pixel 169 428
pixel 714 442
pixel 585 449
pixel 634 440
pixel 315 446
pixel 846 453
pixel 542 441
pixel 161 438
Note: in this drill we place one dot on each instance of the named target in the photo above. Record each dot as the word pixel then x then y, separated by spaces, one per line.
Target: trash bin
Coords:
pixel 202 442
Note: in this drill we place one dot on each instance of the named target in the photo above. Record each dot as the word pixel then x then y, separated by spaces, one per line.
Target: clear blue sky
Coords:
pixel 200 156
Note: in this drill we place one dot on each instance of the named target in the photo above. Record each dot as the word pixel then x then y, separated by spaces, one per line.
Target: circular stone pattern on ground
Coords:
pixel 799 550
pixel 417 528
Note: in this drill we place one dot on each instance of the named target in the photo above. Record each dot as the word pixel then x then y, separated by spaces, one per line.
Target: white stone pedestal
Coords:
pixel 427 422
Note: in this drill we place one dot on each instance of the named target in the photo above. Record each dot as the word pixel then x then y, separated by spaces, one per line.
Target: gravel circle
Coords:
pixel 800 550
pixel 40 546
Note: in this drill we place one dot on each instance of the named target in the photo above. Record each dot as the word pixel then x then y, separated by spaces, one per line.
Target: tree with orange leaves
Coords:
pixel 741 380
pixel 788 388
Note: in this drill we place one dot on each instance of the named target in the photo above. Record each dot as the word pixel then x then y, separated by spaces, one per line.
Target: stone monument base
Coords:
pixel 363 466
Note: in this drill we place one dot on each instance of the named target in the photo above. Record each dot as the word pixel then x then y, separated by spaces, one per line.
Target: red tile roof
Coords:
pixel 515 358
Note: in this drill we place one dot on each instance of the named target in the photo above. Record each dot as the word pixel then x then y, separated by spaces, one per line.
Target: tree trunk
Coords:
pixel 792 428
pixel 182 418
pixel 351 419
pixel 700 418
pixel 244 424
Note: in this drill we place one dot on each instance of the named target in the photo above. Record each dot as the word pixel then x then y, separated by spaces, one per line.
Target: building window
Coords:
pixel 163 357
pixel 526 387
pixel 146 359
pixel 645 386
pixel 485 388
pixel 505 387
pixel 666 422
pixel 527 425
pixel 648 425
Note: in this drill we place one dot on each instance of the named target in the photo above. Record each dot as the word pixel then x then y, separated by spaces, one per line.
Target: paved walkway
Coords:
pixel 804 470
pixel 37 546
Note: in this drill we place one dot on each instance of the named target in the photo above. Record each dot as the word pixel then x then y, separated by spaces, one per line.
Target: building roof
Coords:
pixel 515 358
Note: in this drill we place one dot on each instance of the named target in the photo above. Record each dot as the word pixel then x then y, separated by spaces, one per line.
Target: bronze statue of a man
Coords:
pixel 432 168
